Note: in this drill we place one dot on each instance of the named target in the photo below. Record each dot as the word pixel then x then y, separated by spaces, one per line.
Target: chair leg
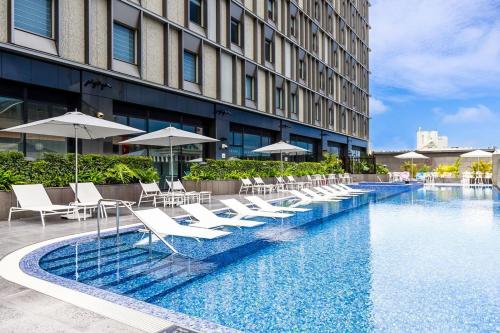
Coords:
pixel 43 219
pixel 10 214
pixel 140 199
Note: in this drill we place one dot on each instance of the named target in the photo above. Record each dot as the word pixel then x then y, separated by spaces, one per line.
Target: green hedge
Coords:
pixel 59 169
pixel 224 170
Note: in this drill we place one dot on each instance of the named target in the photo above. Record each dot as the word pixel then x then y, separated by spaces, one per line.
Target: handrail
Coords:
pixel 100 207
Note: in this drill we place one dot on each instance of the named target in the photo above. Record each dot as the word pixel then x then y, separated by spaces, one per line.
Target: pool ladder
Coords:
pixel 121 203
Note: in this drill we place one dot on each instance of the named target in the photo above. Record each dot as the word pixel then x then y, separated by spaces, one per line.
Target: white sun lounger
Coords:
pixel 243 210
pixel 207 219
pixel 329 194
pixel 34 198
pixel 163 225
pixel 350 189
pixel 303 199
pixel 266 206
pixel 89 196
pixel 338 193
pixel 343 190
pixel 316 197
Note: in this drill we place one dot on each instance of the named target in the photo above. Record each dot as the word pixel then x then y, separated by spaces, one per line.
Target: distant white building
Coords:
pixel 430 140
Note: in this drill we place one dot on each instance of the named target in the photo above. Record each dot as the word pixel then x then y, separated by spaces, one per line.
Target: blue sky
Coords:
pixel 436 65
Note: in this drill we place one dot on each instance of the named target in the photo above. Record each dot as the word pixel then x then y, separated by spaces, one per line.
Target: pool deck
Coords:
pixel 25 310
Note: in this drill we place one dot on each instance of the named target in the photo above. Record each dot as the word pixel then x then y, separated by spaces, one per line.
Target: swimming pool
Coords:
pixel 423 260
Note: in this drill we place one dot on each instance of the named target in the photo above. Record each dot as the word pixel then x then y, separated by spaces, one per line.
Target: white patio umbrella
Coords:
pixel 412 155
pixel 281 148
pixel 169 137
pixel 75 125
pixel 477 154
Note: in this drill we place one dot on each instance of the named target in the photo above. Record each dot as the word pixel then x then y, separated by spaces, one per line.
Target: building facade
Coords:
pixel 431 140
pixel 247 72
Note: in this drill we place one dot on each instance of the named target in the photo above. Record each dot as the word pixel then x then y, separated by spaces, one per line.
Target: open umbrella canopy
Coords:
pixel 411 156
pixel 75 125
pixel 281 147
pixel 169 136
pixel 477 154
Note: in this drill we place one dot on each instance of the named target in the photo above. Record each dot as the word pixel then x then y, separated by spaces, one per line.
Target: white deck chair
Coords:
pixel 152 190
pixel 163 225
pixel 207 219
pixel 263 186
pixel 266 206
pixel 316 197
pixel 89 196
pixel 34 198
pixel 243 210
pixel 246 185
pixel 188 197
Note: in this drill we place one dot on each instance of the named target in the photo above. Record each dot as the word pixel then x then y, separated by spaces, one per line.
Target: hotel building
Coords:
pixel 247 72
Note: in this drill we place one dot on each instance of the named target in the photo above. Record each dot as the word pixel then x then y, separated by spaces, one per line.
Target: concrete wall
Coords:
pixel 64 195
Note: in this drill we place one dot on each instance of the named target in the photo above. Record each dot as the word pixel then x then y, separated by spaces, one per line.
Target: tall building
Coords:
pixel 431 140
pixel 248 72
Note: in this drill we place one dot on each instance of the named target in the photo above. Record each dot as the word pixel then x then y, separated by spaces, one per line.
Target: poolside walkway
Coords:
pixel 26 310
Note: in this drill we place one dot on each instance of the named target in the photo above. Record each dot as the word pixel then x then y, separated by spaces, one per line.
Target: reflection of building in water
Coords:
pixel 431 140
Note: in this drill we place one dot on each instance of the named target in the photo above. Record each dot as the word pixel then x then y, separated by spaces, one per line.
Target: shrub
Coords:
pixel 236 169
pixel 58 169
pixel 481 166
pixel 382 169
pixel 453 169
pixel 409 167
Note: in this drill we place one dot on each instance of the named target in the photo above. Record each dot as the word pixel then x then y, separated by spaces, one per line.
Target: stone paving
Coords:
pixel 25 310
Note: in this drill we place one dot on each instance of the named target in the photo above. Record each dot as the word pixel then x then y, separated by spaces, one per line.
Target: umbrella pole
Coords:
pixel 281 159
pixel 171 170
pixel 76 165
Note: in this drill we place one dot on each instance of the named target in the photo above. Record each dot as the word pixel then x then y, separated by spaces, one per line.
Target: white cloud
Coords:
pixel 377 106
pixel 475 114
pixel 446 48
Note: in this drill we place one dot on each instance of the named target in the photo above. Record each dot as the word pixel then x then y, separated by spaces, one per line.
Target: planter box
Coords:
pixel 64 195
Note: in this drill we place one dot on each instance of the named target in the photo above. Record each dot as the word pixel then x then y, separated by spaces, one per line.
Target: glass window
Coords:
pixel 34 16
pixel 268 50
pixel 123 43
pixel 317 111
pixel 195 11
pixel 235 31
pixel 37 145
pixel 330 116
pixel 293 103
pixel 321 81
pixel 301 69
pixel 10 115
pixel 270 9
pixel 292 26
pixel 279 98
pixel 249 88
pixel 190 67
pixel 315 42
pixel 316 10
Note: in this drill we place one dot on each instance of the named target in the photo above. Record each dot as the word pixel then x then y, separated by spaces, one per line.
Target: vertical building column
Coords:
pixel 496 168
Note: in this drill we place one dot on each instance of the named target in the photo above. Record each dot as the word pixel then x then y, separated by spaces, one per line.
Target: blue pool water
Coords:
pixel 421 261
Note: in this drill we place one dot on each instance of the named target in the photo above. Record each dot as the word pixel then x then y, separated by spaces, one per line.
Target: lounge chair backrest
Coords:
pixel 155 219
pixel 33 195
pixel 258 181
pixel 309 178
pixel 87 192
pixel 150 187
pixel 235 205
pixel 258 201
pixel 246 182
pixel 300 195
pixel 280 180
pixel 291 179
pixel 177 186
pixel 199 212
